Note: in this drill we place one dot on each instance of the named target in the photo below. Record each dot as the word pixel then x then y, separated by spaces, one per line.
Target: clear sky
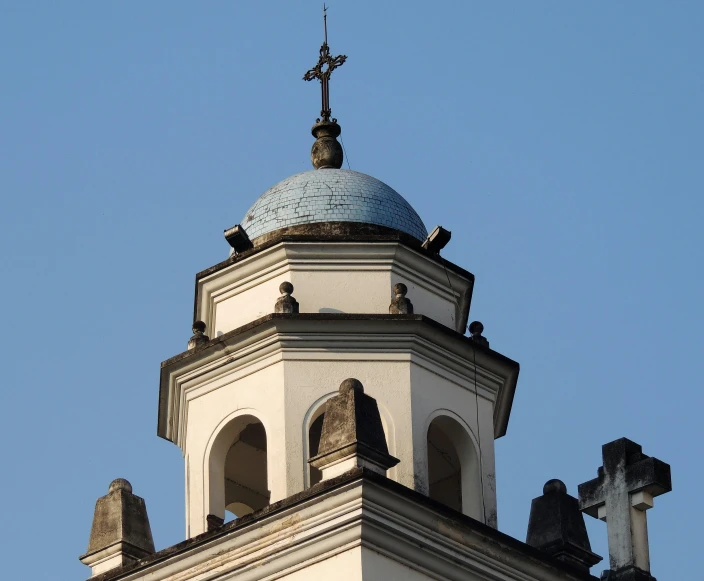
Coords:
pixel 560 142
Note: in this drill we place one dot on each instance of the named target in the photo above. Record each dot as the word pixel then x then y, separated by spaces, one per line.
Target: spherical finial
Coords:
pixel 351 384
pixel 199 338
pixel 120 484
pixel 400 289
pixel 554 485
pixel 400 304
pixel 286 304
pixel 476 328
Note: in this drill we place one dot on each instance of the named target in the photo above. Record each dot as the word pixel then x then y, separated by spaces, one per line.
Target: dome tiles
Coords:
pixel 331 195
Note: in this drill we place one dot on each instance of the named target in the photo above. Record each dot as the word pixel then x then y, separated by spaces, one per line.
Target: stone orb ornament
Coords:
pixel 326 151
pixel 120 484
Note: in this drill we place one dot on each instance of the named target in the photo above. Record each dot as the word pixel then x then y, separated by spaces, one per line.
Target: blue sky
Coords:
pixel 560 142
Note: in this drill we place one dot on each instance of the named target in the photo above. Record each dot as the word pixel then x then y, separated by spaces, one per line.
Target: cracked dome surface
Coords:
pixel 331 195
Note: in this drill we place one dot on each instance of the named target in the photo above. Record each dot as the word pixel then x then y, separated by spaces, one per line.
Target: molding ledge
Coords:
pixel 358 508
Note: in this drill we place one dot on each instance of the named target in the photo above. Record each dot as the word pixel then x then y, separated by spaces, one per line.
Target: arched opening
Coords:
pixel 314 433
pixel 453 469
pixel 238 469
pixel 246 488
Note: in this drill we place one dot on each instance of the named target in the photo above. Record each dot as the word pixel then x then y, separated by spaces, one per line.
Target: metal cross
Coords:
pixel 620 495
pixel 322 71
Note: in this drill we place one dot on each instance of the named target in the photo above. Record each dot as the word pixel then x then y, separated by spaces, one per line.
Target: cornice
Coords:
pixel 339 234
pixel 284 336
pixel 344 232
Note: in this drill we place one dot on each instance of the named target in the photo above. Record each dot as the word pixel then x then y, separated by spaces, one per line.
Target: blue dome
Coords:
pixel 331 195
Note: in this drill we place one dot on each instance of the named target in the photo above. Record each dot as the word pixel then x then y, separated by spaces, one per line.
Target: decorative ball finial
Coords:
pixel 400 305
pixel 476 329
pixel 351 384
pixel 555 485
pixel 286 303
pixel 199 338
pixel 120 484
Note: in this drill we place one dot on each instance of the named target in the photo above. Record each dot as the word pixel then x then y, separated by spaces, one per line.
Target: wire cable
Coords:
pixel 452 290
pixel 479 432
pixel 347 159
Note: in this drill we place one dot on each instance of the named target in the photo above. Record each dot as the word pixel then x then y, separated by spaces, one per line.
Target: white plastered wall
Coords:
pixel 282 396
pixel 283 387
pixel 327 277
pixel 345 566
pixel 283 391
pixel 380 567
pixel 454 396
pixel 210 409
pixel 310 380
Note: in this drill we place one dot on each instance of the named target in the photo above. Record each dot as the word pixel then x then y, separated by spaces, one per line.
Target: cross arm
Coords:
pixel 591 494
pixel 624 461
pixel 649 474
pixel 313 73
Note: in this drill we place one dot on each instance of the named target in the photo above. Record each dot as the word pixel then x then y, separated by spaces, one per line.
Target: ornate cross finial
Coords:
pixel 322 71
pixel 620 495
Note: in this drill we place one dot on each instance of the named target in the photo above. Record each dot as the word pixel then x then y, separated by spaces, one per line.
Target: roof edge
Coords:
pixel 350 478
pixel 503 407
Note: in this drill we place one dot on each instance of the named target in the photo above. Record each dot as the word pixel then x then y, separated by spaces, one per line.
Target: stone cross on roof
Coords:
pixel 620 495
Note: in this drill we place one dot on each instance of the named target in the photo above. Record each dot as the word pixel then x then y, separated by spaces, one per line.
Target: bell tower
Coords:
pixel 337 421
pixel 332 275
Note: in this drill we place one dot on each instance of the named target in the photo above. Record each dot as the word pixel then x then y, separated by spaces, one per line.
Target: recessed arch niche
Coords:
pixel 453 467
pixel 238 468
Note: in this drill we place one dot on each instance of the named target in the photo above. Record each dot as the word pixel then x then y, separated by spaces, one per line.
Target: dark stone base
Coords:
pixel 214 522
pixel 627 574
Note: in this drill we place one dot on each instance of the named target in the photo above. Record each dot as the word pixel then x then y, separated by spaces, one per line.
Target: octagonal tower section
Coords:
pixel 246 406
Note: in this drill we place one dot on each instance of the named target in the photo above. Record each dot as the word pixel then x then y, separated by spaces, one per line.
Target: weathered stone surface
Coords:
pixel 199 339
pixel 556 526
pixel 120 533
pixel 334 231
pixel 326 151
pixel 352 428
pixel 624 489
pixel 400 305
pixel 286 303
pixel 627 574
pixel 466 548
pixel 214 522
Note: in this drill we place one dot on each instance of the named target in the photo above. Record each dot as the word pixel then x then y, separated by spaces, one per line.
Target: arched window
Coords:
pixel 453 469
pixel 238 469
